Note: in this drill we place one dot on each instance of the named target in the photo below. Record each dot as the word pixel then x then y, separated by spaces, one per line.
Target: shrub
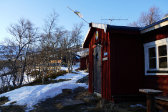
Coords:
pixel 46 78
pixel 34 73
pixel 55 75
pixel 3 100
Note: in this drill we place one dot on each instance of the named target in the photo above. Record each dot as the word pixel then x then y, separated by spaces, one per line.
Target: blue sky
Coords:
pixel 92 10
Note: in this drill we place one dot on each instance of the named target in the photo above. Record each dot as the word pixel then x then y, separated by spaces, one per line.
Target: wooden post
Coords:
pixel 150 103
pixel 150 96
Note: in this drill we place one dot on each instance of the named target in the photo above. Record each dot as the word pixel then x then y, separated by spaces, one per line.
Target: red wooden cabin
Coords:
pixel 84 62
pixel 117 59
pixel 155 41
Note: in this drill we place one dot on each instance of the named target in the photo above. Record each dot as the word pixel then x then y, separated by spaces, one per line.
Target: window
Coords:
pixel 156 62
pixel 162 56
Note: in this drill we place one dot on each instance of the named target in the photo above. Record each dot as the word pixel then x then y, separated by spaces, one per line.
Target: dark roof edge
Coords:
pixel 155 25
pixel 108 27
pixel 123 28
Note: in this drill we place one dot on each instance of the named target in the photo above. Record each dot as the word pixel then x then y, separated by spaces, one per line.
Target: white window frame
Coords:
pixel 155 44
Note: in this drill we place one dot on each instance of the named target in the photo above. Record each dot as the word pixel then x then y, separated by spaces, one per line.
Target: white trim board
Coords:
pixel 146 55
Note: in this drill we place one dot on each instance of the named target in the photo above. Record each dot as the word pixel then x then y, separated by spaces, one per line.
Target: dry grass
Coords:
pixel 12 108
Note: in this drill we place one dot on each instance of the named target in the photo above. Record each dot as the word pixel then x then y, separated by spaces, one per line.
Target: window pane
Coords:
pixel 162 50
pixel 152 63
pixel 163 62
pixel 152 52
pixel 152 58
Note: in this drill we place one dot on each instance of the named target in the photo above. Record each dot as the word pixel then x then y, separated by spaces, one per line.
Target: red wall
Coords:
pixel 156 81
pixel 106 76
pixel 123 72
pixel 159 82
pixel 155 35
pixel 127 64
pixel 105 72
pixel 91 43
pixel 84 62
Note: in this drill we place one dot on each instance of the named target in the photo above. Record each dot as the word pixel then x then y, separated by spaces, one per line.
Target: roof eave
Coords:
pixel 83 44
pixel 100 26
pixel 93 25
pixel 154 26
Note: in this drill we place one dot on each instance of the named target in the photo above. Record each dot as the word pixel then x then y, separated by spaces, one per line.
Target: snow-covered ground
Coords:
pixel 74 67
pixel 31 95
pixel 27 79
pixel 5 80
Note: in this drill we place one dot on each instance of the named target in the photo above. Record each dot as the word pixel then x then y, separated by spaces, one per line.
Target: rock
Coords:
pixel 59 106
pixel 70 102
pixel 83 80
pixel 100 104
pixel 79 90
pixel 67 91
pixel 91 99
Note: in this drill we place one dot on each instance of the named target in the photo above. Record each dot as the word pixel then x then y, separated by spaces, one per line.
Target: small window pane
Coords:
pixel 152 58
pixel 162 50
pixel 152 63
pixel 152 52
pixel 163 62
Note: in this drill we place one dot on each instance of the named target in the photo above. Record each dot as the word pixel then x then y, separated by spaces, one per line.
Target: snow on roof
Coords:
pixel 100 26
pixel 83 52
pixel 94 25
pixel 107 28
pixel 31 95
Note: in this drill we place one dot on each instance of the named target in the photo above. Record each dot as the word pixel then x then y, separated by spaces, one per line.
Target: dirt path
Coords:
pixel 80 100
pixel 77 100
pixel 71 101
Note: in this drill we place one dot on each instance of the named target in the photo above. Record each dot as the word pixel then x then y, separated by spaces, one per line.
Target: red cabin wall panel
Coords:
pixel 123 72
pixel 106 80
pixel 127 65
pixel 91 62
pixel 156 81
pixel 105 72
pixel 84 62
pixel 155 35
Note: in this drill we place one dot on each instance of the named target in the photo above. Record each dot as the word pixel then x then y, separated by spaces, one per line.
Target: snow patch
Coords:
pixel 76 66
pixel 137 105
pixel 31 95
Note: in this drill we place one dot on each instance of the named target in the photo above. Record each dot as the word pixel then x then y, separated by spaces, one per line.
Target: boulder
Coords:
pixel 67 91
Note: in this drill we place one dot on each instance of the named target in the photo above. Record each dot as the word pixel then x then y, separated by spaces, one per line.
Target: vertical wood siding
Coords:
pixel 105 74
pixel 156 81
pixel 155 35
pixel 126 64
pixel 106 77
pixel 84 62
pixel 91 62
pixel 159 82
pixel 123 70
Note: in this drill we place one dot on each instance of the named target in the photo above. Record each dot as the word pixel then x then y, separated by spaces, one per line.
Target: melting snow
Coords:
pixel 74 67
pixel 31 95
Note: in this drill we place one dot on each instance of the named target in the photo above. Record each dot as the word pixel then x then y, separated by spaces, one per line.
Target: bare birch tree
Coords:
pixel 147 18
pixel 70 44
pixel 24 34
pixel 48 43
